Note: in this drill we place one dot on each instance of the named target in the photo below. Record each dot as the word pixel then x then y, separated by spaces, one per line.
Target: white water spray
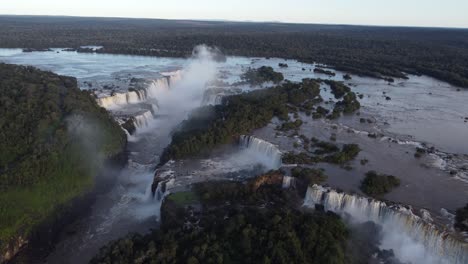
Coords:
pixel 267 153
pixel 412 238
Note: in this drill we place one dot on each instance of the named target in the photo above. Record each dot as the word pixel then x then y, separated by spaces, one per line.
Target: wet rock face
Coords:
pixel 129 125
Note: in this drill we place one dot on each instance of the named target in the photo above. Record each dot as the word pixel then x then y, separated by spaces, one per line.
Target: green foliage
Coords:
pixel 320 112
pixel 233 228
pixel 299 158
pixel 308 175
pixel 183 198
pixel 349 104
pixel 335 155
pixel 338 89
pixel 324 147
pixel 375 184
pixel 347 153
pixel 239 114
pixel 293 125
pixel 262 75
pixel 248 236
pixel 461 219
pixel 49 150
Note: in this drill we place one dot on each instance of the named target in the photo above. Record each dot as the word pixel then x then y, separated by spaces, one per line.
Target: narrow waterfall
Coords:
pixel 158 87
pixel 288 182
pixel 268 153
pixel 173 76
pixel 212 99
pixel 413 239
pixel 142 120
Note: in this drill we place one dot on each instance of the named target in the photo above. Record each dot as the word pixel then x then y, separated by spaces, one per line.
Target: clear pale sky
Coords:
pixel 441 13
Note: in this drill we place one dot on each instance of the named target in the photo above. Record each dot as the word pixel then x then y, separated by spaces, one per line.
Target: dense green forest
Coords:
pixel 231 226
pixel 262 75
pixel 53 140
pixel 380 52
pixel 375 184
pixel 253 222
pixel 239 114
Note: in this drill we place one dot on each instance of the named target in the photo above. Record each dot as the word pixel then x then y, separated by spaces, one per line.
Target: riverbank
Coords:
pixel 55 140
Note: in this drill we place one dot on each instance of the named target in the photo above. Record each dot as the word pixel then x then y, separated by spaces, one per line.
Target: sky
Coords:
pixel 439 13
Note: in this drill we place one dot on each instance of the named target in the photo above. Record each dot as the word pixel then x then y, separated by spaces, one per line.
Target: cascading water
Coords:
pixel 412 238
pixel 288 182
pixel 143 119
pixel 163 190
pixel 158 87
pixel 173 76
pixel 155 88
pixel 268 153
pixel 212 99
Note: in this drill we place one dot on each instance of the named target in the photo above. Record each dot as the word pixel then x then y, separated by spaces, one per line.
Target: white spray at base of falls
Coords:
pixel 268 153
pixel 187 92
pixel 412 238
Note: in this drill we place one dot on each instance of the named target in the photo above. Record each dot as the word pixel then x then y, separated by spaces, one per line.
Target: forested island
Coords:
pixel 231 222
pixel 213 126
pixel 381 52
pixel 54 141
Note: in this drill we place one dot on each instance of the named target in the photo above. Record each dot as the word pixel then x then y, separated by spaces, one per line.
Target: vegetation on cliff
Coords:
pixel 53 139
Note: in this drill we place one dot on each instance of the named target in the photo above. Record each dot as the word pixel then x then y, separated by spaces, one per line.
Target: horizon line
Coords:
pixel 240 21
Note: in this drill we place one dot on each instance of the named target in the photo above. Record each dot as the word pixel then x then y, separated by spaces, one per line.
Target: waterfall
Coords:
pixel 134 96
pixel 158 87
pixel 142 120
pixel 413 239
pixel 173 76
pixel 160 190
pixel 268 153
pixel 164 180
pixel 212 99
pixel 288 182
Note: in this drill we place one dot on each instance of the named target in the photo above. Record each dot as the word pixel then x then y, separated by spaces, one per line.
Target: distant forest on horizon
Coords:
pixel 375 51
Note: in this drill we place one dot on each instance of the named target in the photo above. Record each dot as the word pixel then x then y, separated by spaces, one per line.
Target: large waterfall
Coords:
pixel 133 96
pixel 267 152
pixel 414 239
